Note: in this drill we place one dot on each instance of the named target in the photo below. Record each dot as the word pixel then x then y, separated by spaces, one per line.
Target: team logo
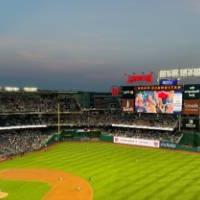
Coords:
pixel 191 121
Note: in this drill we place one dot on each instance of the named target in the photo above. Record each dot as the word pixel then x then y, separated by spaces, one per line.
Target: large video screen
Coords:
pixel 158 101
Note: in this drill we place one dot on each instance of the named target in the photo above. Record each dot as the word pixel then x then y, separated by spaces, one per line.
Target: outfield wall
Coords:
pixel 106 138
pixel 168 145
pixel 124 140
pixel 153 143
pixel 137 141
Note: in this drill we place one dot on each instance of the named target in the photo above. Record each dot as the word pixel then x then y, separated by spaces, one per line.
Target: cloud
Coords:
pixel 51 55
pixel 33 55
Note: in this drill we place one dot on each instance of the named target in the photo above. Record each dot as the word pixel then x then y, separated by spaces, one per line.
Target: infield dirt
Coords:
pixel 64 186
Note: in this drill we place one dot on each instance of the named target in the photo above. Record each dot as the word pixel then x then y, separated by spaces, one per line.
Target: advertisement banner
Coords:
pixel 137 141
pixel 159 88
pixel 191 107
pixel 132 78
pixel 168 82
pixel 169 145
pixel 190 123
pixel 191 91
pixel 116 91
pixel 127 92
pixel 176 73
pixel 158 101
pixel 127 105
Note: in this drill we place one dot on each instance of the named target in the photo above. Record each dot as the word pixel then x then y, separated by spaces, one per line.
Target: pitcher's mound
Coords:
pixel 3 195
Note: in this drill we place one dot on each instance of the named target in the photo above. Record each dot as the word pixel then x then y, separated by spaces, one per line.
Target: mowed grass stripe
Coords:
pixel 119 171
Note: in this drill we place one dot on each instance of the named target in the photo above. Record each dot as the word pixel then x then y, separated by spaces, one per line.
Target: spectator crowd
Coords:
pixel 88 118
pixel 19 109
pixel 36 103
pixel 15 142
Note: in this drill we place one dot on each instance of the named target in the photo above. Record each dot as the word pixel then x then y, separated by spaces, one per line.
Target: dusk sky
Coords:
pixel 90 44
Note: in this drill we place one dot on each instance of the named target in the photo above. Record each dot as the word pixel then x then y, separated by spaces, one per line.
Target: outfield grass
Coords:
pixel 118 172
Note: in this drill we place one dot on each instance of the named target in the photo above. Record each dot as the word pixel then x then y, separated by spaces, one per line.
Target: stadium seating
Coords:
pixel 18 142
pixel 25 110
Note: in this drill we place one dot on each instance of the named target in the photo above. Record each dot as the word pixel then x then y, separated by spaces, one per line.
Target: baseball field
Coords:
pixel 101 171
